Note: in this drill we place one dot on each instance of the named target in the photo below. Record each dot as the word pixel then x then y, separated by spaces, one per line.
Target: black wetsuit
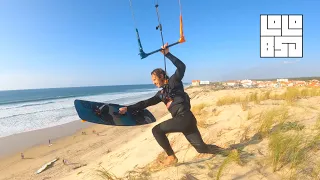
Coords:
pixel 182 119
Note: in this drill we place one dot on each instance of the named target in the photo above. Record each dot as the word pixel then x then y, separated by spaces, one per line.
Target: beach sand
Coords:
pixel 221 121
pixel 68 143
pixel 18 142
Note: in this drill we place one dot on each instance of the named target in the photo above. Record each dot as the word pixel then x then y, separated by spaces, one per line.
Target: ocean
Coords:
pixel 27 110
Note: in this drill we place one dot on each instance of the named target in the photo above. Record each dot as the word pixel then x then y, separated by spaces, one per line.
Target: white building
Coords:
pixel 204 82
pixel 246 83
pixel 231 83
pixel 282 80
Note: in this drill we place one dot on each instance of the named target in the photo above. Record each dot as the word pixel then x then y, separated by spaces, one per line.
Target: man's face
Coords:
pixel 156 80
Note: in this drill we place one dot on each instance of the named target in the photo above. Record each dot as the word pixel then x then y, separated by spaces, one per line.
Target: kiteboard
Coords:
pixel 108 114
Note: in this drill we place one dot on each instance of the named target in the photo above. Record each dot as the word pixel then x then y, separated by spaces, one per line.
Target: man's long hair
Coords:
pixel 158 72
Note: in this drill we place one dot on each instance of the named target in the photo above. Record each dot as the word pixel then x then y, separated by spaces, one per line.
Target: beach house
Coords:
pixel 195 83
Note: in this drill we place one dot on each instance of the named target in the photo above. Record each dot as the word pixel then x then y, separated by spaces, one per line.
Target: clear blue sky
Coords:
pixel 65 43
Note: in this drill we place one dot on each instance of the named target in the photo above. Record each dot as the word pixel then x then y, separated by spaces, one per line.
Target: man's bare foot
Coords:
pixel 170 160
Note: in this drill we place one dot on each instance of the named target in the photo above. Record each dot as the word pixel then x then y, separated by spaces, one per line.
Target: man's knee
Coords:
pixel 156 130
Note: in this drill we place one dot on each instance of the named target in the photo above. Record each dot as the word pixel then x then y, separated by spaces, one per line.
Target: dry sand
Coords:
pixel 122 149
pixel 68 143
pixel 18 142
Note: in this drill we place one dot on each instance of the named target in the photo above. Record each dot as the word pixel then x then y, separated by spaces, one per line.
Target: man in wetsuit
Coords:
pixel 178 104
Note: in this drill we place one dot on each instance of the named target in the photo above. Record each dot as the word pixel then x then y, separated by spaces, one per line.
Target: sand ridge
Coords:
pixel 244 124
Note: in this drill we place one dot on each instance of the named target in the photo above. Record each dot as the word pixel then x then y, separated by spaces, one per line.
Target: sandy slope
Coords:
pixel 120 150
pixel 77 149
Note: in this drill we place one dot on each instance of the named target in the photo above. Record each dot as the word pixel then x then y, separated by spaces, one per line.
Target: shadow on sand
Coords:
pixel 215 150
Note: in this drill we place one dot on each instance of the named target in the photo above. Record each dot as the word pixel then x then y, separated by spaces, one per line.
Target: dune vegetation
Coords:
pixel 274 134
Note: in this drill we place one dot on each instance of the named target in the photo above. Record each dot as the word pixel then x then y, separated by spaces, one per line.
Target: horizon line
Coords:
pixel 2 90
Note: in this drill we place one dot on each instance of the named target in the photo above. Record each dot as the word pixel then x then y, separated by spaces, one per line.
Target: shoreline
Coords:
pixel 19 142
pixel 22 141
pixel 16 143
pixel 25 140
pixel 67 142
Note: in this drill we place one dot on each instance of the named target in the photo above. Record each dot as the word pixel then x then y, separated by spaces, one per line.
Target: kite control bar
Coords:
pixel 141 51
pixel 144 55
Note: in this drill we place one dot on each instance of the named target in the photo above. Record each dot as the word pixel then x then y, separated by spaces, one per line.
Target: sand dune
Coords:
pixel 275 133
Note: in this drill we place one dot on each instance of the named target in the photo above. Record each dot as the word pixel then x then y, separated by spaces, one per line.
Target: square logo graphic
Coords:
pixel 281 36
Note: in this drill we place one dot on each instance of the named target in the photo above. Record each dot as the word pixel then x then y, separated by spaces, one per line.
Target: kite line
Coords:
pixel 181 39
pixel 159 27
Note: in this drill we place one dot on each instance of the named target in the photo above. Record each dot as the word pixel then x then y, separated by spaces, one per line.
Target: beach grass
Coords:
pixel 270 117
pixel 228 100
pixel 201 116
pixel 233 157
pixel 290 95
pixel 143 174
pixel 250 115
pixel 196 109
pixel 105 174
pixel 292 147
pixel 288 144
pixel 286 149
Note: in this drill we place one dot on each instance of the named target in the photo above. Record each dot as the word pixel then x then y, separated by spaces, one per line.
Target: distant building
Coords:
pixel 231 83
pixel 290 84
pixel 314 83
pixel 195 82
pixel 282 80
pixel 300 83
pixel 267 84
pixel 246 83
pixel 204 82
